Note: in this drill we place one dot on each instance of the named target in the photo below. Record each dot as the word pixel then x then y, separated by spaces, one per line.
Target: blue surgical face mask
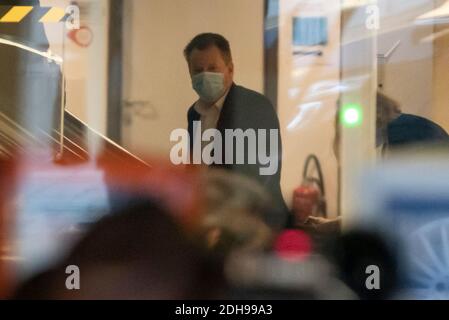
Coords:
pixel 209 86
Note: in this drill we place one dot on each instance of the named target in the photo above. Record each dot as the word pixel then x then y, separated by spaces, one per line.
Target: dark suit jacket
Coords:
pixel 246 109
pixel 410 129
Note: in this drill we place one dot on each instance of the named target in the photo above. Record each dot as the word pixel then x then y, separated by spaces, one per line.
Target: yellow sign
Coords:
pixel 48 14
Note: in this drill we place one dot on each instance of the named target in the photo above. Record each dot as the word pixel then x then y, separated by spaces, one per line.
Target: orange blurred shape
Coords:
pixel 176 188
pixel 7 186
pixel 305 202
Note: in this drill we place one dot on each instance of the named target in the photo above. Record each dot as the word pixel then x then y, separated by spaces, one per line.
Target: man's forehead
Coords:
pixel 210 54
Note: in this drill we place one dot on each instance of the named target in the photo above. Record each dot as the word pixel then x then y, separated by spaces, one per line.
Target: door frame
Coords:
pixel 115 71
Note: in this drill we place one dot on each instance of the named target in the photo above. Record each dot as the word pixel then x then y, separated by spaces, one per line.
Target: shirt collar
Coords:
pixel 203 109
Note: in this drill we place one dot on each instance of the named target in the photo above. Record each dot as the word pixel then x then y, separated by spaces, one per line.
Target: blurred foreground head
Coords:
pixel 355 253
pixel 139 253
pixel 236 210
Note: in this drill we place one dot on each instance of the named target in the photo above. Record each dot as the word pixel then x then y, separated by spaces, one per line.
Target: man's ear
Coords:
pixel 231 67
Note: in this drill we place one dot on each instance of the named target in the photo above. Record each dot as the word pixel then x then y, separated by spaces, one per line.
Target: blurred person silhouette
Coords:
pixel 139 253
pixel 224 105
pixel 387 111
pixel 237 213
pixel 274 278
pixel 355 252
pixel 396 129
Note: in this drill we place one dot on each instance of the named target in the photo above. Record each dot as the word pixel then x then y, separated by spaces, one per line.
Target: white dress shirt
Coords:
pixel 209 115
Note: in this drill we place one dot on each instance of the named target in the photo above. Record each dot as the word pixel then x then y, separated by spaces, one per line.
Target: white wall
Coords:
pixel 307 98
pixel 440 110
pixel 359 80
pixel 409 71
pixel 409 77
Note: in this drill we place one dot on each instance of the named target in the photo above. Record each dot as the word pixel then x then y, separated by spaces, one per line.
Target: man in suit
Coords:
pixel 223 105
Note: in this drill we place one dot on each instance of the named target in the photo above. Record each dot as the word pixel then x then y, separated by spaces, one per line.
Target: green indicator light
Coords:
pixel 351 115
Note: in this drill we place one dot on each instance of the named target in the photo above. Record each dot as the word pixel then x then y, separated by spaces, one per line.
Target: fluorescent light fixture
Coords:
pixel 350 4
pixel 438 16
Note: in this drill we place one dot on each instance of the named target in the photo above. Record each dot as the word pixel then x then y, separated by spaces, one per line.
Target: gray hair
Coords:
pixel 238 206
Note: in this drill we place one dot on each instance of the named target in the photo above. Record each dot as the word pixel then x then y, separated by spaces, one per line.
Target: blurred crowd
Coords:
pixel 159 244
